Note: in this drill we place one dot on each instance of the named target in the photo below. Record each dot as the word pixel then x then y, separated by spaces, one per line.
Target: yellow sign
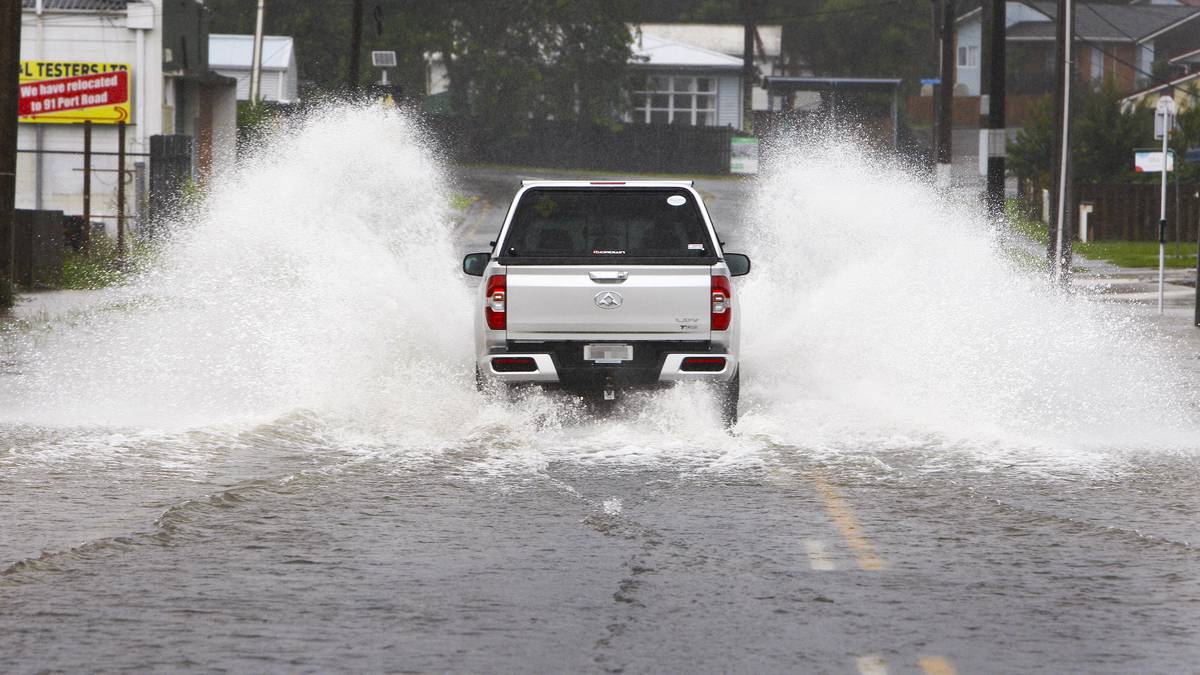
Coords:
pixel 70 92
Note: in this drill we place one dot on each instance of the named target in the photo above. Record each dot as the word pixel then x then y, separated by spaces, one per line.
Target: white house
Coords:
pixel 729 39
pixel 680 81
pixel 233 56
pixel 682 84
pixel 160 47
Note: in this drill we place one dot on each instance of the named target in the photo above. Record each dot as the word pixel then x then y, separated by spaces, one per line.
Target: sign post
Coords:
pixel 1164 113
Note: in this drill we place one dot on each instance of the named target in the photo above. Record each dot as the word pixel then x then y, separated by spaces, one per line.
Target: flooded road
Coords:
pixel 268 455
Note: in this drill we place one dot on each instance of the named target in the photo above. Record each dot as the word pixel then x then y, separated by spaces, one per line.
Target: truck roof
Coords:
pixel 607 183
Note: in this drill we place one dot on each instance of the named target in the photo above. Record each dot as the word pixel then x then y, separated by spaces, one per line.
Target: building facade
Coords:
pixel 161 45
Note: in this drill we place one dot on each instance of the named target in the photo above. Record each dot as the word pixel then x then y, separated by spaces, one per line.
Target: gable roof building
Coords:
pixel 233 56
pixel 1118 42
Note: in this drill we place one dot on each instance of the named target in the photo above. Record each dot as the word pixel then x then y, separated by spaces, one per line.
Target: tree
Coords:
pixel 1104 138
pixel 538 58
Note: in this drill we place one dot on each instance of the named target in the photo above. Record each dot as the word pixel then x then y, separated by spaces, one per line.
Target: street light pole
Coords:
pixel 1165 111
pixel 1059 245
pixel 256 65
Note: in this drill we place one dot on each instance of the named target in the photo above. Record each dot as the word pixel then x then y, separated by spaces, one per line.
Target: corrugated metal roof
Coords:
pixel 656 52
pixel 723 38
pixel 237 51
pixel 79 5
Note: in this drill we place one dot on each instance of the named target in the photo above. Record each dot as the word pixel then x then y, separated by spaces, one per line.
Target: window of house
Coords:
pixel 676 100
pixel 968 57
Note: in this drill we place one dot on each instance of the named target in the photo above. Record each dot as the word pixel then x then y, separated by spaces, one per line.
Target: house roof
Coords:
pixel 79 5
pixel 237 51
pixel 652 51
pixel 717 37
pixel 1095 21
pixel 1177 83
pixel 1118 23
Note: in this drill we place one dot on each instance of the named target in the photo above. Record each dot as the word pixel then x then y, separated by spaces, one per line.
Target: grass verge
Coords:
pixel 1136 253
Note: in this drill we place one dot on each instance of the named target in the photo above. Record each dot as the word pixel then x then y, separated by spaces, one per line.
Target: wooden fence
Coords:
pixel 649 148
pixel 1130 211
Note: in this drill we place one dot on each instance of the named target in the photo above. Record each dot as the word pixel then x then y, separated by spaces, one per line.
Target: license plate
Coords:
pixel 608 353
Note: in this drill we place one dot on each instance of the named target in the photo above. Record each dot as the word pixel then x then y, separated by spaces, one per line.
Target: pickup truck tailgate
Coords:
pixel 653 300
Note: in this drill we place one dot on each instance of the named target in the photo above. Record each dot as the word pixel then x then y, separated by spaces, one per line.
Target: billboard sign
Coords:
pixel 68 92
pixel 1151 161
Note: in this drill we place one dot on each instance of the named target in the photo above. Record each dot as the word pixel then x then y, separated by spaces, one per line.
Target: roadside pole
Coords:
pixel 10 56
pixel 1164 115
pixel 86 235
pixel 1059 244
pixel 256 58
pixel 995 13
pixel 356 47
pixel 946 98
pixel 748 71
pixel 121 193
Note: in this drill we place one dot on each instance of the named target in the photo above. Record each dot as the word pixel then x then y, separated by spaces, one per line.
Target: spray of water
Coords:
pixel 319 282
pixel 882 313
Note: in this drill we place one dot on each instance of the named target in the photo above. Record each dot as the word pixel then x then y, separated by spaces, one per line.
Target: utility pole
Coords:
pixel 1059 241
pixel 256 63
pixel 748 71
pixel 946 97
pixel 355 47
pixel 995 139
pixel 10 57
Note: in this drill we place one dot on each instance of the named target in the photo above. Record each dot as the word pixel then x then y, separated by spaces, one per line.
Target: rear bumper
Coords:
pixel 655 364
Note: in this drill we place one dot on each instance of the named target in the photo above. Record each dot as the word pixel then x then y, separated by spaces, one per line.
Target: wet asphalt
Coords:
pixel 278 549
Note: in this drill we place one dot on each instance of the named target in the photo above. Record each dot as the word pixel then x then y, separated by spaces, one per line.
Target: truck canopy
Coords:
pixel 592 225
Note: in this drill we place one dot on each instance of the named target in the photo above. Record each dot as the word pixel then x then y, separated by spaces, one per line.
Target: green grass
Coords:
pixel 1136 253
pixel 102 268
pixel 461 202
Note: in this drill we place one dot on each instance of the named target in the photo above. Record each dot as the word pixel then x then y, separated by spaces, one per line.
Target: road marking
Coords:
pixel 818 557
pixel 844 518
pixel 872 664
pixel 937 665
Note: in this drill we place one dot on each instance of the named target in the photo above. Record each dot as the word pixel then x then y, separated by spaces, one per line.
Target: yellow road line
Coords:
pixel 937 665
pixel 844 518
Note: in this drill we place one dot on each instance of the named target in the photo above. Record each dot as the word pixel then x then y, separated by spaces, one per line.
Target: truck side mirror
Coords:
pixel 739 265
pixel 475 263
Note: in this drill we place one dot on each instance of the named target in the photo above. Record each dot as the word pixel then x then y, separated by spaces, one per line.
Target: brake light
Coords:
pixel 722 310
pixel 703 364
pixel 496 304
pixel 514 364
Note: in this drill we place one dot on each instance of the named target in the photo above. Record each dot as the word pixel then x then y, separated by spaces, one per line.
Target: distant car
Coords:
pixel 600 286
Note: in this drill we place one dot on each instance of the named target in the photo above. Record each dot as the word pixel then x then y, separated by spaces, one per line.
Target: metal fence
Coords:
pixel 574 145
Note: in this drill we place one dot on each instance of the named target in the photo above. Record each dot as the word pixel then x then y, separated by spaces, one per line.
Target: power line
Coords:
pixel 1153 78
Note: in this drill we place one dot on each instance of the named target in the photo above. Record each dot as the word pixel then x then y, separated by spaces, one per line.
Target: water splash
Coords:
pixel 320 281
pixel 881 313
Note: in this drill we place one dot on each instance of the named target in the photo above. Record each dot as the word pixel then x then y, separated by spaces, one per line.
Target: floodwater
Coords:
pixel 267 453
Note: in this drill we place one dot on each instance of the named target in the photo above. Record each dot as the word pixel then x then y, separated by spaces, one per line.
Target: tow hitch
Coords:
pixel 610 392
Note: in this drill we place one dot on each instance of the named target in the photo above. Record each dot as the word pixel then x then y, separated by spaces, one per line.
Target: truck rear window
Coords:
pixel 595 224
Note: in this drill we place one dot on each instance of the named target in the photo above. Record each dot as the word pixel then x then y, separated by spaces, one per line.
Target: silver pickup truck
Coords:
pixel 599 286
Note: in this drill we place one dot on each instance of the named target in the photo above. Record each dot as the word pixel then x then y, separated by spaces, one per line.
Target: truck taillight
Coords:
pixel 722 312
pixel 497 302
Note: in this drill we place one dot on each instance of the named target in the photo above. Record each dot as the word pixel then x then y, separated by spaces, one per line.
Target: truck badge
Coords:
pixel 608 299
